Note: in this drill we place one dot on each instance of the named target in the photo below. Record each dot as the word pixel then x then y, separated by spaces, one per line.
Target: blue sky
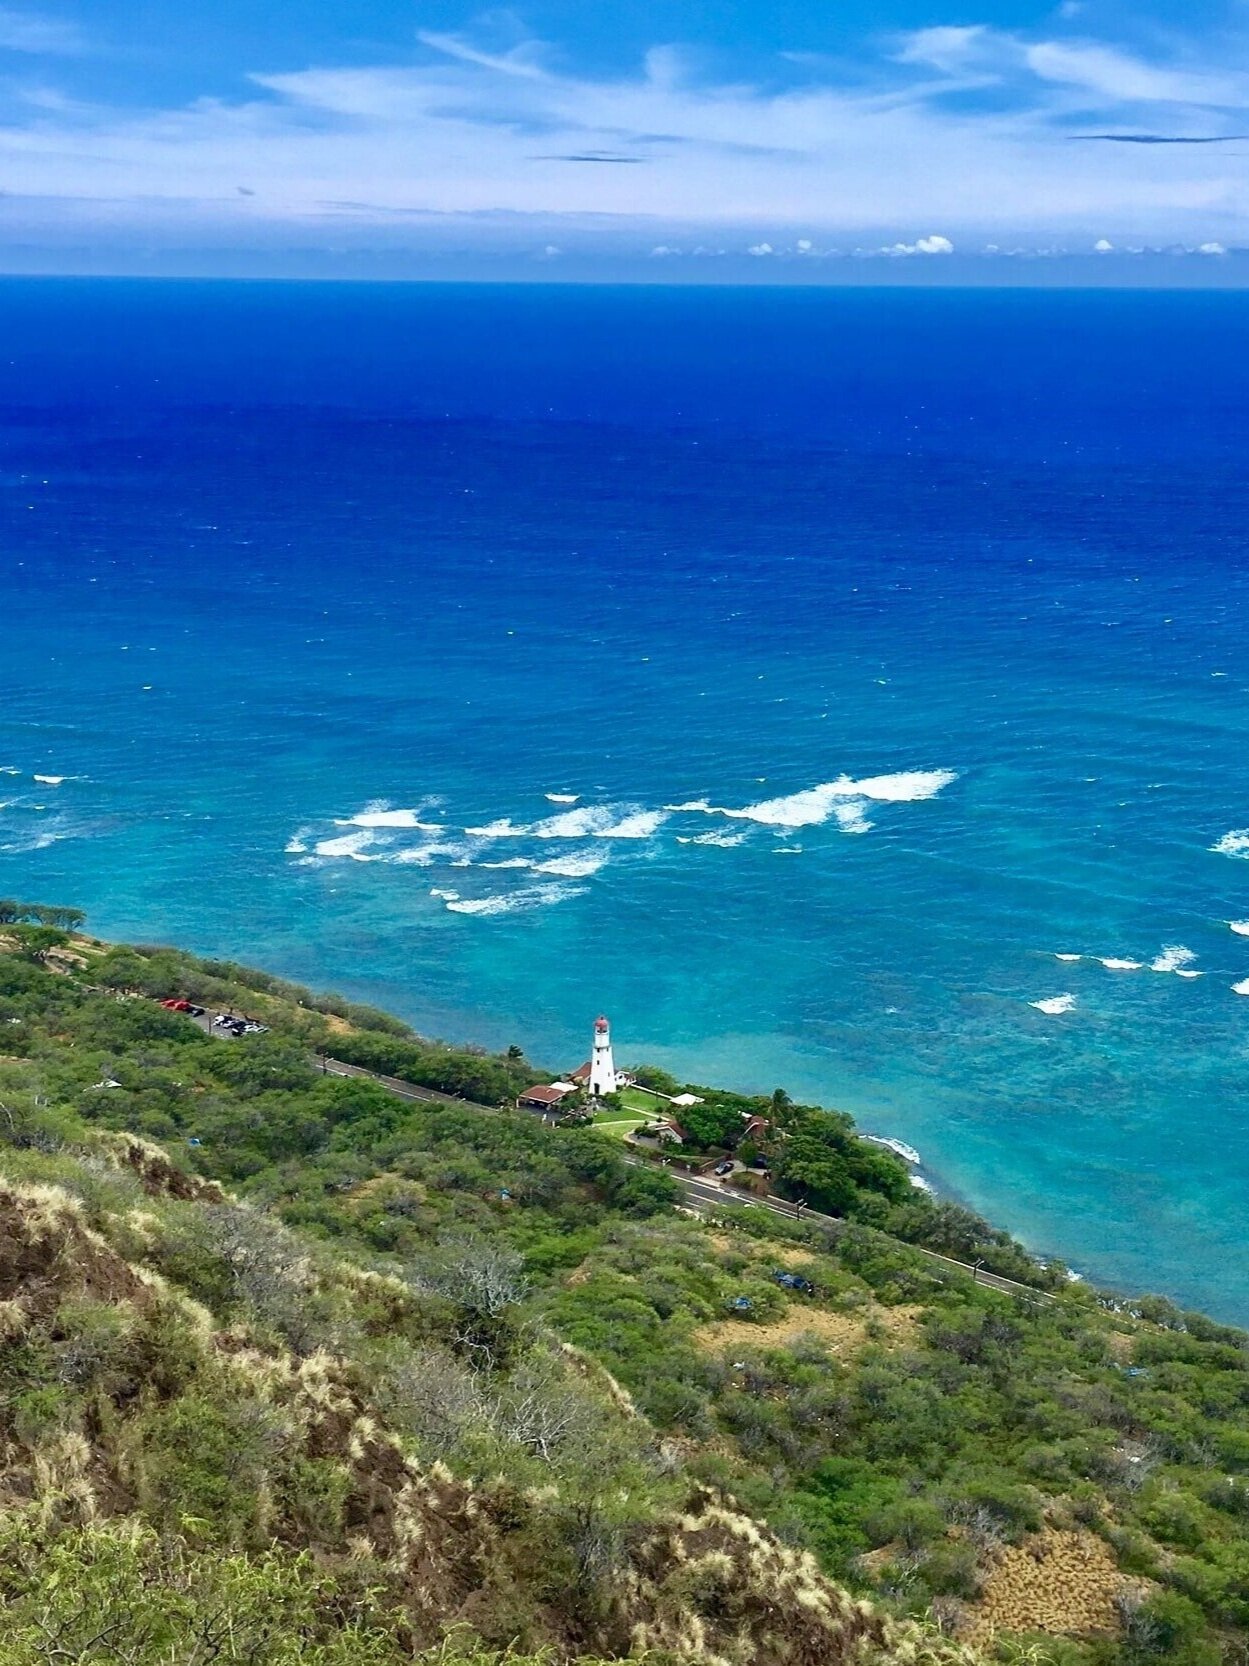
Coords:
pixel 777 138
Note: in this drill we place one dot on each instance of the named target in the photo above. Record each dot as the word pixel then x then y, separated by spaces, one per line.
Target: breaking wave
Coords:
pixel 380 815
pixel 516 902
pixel 579 865
pixel 815 805
pixel 1173 957
pixel 504 828
pixel 1055 1004
pixel 1235 843
pixel 851 818
pixel 724 839
pixel 349 844
pixel 639 825
pixel 423 856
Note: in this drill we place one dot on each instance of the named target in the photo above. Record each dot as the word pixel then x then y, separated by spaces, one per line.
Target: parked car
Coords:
pixel 724 1166
pixel 793 1281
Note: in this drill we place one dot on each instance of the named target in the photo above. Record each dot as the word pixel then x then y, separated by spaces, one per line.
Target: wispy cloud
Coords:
pixel 964 126
pixel 33 32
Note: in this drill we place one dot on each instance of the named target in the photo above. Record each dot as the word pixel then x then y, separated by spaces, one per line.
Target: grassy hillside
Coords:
pixel 366 1374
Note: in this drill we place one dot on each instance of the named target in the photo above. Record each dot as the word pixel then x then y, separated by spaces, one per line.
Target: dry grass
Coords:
pixel 841 1333
pixel 1063 1582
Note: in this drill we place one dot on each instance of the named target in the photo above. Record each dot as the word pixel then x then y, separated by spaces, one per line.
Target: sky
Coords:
pixel 689 140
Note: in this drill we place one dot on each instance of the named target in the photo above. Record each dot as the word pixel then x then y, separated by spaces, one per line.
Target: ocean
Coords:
pixel 803 678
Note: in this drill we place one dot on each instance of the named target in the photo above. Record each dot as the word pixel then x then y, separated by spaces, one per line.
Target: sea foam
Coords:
pixel 579 865
pixel 1241 988
pixel 561 798
pixel 353 845
pixel 1235 843
pixel 379 815
pixel 423 856
pixel 503 828
pixel 1113 963
pixel 814 805
pixel 1240 927
pixel 515 902
pixel 638 824
pixel 1173 957
pixel 1055 1004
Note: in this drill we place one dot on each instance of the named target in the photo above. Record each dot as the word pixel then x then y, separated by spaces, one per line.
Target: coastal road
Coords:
pixel 704 1194
pixel 699 1194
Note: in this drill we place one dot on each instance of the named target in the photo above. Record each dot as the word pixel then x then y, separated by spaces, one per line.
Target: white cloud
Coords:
pixel 512 146
pixel 950 48
pixel 1115 75
pixel 22 31
pixel 521 61
pixel 1211 249
pixel 977 54
pixel 935 245
pixel 1103 246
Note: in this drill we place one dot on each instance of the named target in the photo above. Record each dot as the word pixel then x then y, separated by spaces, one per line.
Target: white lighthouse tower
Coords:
pixel 603 1075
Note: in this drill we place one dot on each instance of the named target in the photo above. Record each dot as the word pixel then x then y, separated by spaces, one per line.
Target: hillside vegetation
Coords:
pixel 292 1368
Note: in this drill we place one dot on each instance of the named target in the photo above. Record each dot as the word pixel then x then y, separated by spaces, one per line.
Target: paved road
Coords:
pixel 709 1194
pixel 700 1193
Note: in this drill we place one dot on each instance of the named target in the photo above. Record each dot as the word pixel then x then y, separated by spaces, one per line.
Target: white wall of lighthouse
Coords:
pixel 603 1074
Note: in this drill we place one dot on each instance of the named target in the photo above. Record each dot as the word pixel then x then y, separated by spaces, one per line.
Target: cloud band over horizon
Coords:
pixel 923 143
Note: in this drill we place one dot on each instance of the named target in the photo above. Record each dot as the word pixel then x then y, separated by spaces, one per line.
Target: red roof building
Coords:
pixel 544 1098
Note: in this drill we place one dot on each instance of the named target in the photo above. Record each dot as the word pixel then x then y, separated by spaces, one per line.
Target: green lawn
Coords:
pixel 619 1125
pixel 638 1099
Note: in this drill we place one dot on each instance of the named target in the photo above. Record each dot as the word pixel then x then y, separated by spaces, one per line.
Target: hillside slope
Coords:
pixel 146 1443
pixel 476 1372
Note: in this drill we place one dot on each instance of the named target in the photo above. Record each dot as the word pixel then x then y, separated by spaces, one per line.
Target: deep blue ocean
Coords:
pixel 795 676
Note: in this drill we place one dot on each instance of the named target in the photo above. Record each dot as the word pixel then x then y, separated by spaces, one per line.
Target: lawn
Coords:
pixel 619 1124
pixel 639 1100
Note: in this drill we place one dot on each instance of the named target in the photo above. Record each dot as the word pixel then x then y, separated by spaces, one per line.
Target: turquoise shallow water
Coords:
pixel 936 603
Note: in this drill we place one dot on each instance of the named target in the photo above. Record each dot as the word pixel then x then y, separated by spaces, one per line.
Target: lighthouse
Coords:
pixel 603 1077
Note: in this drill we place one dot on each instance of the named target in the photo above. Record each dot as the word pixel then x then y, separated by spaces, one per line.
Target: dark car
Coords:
pixel 793 1281
pixel 725 1166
